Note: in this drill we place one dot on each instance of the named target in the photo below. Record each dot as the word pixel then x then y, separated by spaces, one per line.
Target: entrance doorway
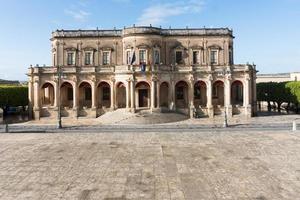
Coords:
pixel 143 98
pixel 142 94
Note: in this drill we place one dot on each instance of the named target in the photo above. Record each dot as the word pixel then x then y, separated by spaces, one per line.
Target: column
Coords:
pixel 127 94
pixel 94 99
pixel 191 98
pixel 210 110
pixel 246 97
pixel 132 95
pixel 36 99
pixel 56 97
pixel 152 94
pixel 173 96
pixel 30 97
pixel 112 95
pixel 158 95
pixel 227 96
pixel 75 100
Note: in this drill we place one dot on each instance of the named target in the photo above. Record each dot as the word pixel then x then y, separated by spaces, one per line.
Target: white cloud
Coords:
pixel 158 14
pixel 78 15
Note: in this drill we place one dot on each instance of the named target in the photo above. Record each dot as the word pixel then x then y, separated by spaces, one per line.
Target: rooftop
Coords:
pixel 136 30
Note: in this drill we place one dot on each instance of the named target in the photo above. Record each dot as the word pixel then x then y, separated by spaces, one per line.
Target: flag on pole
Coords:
pixel 132 56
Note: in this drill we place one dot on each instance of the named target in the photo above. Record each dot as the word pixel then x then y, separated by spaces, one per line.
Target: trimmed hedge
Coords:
pixel 284 92
pixel 12 95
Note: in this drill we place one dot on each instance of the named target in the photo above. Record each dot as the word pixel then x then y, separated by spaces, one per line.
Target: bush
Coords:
pixel 12 95
pixel 284 92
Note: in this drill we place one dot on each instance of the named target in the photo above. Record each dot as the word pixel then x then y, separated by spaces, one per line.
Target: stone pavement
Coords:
pixel 122 166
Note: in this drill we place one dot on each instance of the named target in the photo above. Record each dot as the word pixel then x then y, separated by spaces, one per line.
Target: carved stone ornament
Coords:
pixel 157 46
pixel 70 49
pixel 210 77
pixel 215 46
pixel 247 77
pixel 36 79
pixel 53 50
pixel 112 79
pixel 179 47
pixel 154 78
pixel 143 46
pixel 106 48
pixel 191 78
pixel 197 47
pixel 89 49
pixel 74 79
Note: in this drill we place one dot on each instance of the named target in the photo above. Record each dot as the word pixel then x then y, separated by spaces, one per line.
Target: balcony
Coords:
pixel 137 69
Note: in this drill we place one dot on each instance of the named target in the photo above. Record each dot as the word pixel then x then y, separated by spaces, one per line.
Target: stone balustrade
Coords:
pixel 137 68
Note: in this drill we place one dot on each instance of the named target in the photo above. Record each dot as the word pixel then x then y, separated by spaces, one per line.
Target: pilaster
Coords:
pixel 36 102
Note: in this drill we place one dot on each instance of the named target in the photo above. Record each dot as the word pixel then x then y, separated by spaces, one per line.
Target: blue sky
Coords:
pixel 267 31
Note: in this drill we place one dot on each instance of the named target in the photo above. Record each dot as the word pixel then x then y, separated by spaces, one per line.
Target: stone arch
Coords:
pixel 47 94
pixel 218 93
pixel 85 94
pixel 164 94
pixel 200 97
pixel 237 93
pixel 66 94
pixel 142 94
pixel 103 94
pixel 181 94
pixel 121 95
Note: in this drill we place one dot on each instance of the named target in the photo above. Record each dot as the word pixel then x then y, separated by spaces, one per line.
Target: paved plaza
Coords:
pixel 122 166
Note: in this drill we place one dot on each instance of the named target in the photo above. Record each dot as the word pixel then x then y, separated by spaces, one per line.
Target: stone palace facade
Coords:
pixel 142 68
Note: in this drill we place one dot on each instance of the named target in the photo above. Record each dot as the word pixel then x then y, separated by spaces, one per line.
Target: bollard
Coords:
pixel 294 126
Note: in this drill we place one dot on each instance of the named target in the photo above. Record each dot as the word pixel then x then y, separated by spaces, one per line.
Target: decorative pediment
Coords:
pixel 215 46
pixel 107 48
pixel 143 46
pixel 89 49
pixel 197 47
pixel 179 47
pixel 70 49
pixel 128 46
pixel 157 46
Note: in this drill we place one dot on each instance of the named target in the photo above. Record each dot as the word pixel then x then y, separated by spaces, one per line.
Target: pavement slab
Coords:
pixel 150 165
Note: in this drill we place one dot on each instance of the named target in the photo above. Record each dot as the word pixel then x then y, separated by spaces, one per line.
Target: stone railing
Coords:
pixel 137 69
pixel 141 30
pixel 86 33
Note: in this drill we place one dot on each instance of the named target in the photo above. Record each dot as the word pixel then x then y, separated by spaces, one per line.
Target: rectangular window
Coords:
pixel 71 58
pixel 70 94
pixel 88 58
pixel 128 57
pixel 105 93
pixel 105 58
pixel 156 57
pixel 214 56
pixel 142 56
pixel 178 57
pixel 179 93
pixel 88 93
pixel 196 57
